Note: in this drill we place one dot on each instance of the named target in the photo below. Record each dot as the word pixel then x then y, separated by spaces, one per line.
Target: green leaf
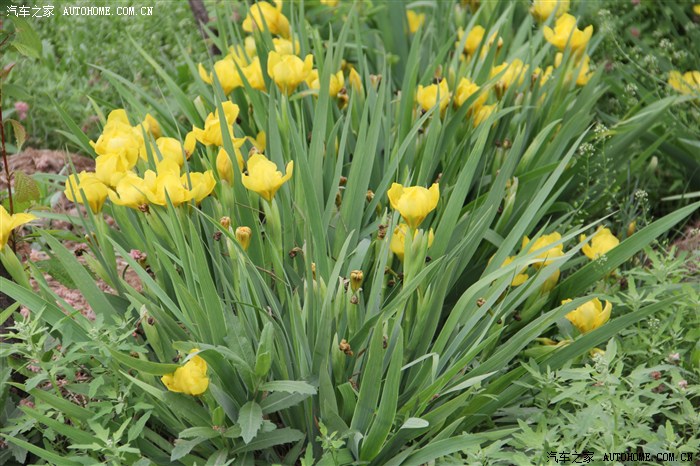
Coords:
pixel 415 423
pixel 289 386
pixel 381 426
pixel 51 457
pixel 270 439
pixel 281 400
pixel 263 362
pixel 26 191
pixel 184 447
pixel 55 269
pixel 20 134
pixel 250 419
pixel 27 41
pixel 147 367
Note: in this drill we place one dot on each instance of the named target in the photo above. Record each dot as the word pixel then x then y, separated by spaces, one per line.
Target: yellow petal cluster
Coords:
pixel 465 89
pixel 541 10
pixel 415 20
pixel 230 73
pixel 430 95
pixel 474 39
pixel 521 277
pixel 224 166
pixel 212 133
pixel 190 379
pixel 337 82
pixel 601 243
pixel 263 177
pixel 483 113
pixel 513 73
pixel 542 244
pixel 414 203
pixel 589 316
pixel 686 83
pixel 10 222
pixel 88 184
pixel 398 239
pixel 288 71
pixel 119 139
pixel 581 67
pixel 263 15
pixel 565 33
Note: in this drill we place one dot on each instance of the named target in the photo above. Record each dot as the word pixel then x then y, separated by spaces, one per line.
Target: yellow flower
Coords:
pixel 696 9
pixel 398 239
pixel 355 79
pixel 465 89
pixel 260 141
pixel 263 176
pixel 543 242
pixel 151 126
pixel 171 148
pixel 589 316
pixel 200 184
pixel 243 235
pixel 566 33
pixel 119 138
pixel 474 39
pixel 428 96
pixel 551 281
pixel 415 20
pixel 414 203
pixel 688 83
pixel 110 168
pixel 224 167
pixel 10 222
pixel 329 2
pixel 543 76
pixel 337 82
pixel 581 68
pixel 130 191
pixel 286 47
pixel 190 144
pixel 263 15
pixel 288 71
pixel 543 9
pixel 513 73
pixel 212 132
pixel 483 113
pixel 254 75
pixel 602 241
pixel 521 277
pixel 166 184
pixel 95 191
pixel 356 277
pixel 190 379
pixel 226 73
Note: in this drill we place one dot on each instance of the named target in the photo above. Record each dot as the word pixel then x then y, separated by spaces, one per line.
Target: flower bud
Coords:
pixel 243 235
pixel 344 346
pixel 356 277
pixel 225 222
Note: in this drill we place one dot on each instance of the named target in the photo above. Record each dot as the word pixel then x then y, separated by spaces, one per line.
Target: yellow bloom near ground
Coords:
pixel 589 316
pixel 190 379
pixel 10 222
